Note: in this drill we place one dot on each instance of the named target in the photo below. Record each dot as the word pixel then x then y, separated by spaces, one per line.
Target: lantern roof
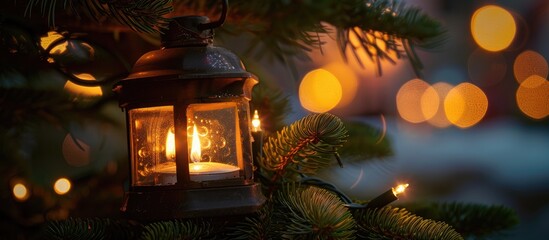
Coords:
pixel 187 53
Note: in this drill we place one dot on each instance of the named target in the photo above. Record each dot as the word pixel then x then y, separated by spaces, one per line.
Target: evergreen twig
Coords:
pixel 303 147
pixel 394 223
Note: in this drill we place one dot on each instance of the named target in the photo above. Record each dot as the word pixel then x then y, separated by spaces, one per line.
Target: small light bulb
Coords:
pixel 400 189
pixel 256 123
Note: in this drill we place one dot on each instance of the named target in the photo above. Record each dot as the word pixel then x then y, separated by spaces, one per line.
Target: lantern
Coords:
pixel 189 131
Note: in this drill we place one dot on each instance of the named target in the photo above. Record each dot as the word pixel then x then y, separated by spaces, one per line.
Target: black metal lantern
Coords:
pixel 189 133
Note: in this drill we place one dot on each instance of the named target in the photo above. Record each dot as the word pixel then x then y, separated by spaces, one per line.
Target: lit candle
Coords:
pixel 387 197
pixel 199 171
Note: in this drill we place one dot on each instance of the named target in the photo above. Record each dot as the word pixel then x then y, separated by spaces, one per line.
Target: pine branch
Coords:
pixel 314 213
pixel 139 15
pixel 76 228
pixel 471 220
pixel 394 223
pixel 177 229
pixel 303 147
pixel 259 226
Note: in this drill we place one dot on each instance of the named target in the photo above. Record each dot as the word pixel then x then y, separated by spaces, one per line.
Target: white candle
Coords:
pixel 199 172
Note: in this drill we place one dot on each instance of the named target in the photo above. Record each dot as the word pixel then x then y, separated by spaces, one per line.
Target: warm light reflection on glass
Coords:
pixel 530 63
pixel 465 105
pixel 62 186
pixel 319 91
pixel 196 154
pixel 486 68
pixel 439 119
pixel 256 122
pixel 533 97
pixel 400 189
pixel 417 101
pixel 170 145
pixel 493 28
pixel 20 192
pixel 348 80
pixel 46 41
pixel 83 91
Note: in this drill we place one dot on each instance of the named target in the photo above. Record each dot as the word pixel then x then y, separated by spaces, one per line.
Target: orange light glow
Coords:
pixel 319 91
pixel 256 122
pixel 196 154
pixel 465 105
pixel 439 119
pixel 417 101
pixel 20 192
pixel 530 63
pixel 83 92
pixel 348 80
pixel 533 97
pixel 493 28
pixel 62 186
pixel 46 41
pixel 400 189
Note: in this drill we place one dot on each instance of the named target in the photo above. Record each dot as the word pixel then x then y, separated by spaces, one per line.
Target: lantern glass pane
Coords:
pixel 152 146
pixel 214 141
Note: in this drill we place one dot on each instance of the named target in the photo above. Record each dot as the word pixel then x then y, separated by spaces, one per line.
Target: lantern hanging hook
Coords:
pixel 220 21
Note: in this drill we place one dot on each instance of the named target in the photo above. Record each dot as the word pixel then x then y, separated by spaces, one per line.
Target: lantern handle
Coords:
pixel 220 21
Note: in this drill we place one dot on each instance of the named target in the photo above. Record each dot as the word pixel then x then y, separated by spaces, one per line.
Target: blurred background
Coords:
pixel 472 128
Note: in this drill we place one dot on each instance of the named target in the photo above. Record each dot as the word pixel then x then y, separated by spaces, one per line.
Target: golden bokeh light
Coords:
pixel 533 97
pixel 465 105
pixel 493 28
pixel 46 41
pixel 417 101
pixel 348 80
pixel 62 186
pixel 319 91
pixel 439 119
pixel 20 192
pixel 83 91
pixel 530 63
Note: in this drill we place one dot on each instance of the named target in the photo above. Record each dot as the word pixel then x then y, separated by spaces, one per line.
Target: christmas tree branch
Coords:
pixel 303 147
pixel 394 223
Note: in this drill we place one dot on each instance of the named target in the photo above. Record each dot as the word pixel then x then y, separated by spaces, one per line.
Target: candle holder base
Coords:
pixel 192 203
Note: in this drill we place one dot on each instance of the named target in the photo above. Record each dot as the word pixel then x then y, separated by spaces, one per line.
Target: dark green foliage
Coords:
pixel 177 229
pixel 258 226
pixel 76 228
pixel 303 147
pixel 365 142
pixel 140 15
pixel 471 220
pixel 280 29
pixel 394 223
pixel 315 213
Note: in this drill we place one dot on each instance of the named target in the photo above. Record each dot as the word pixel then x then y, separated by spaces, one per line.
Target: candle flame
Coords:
pixel 196 155
pixel 400 189
pixel 256 123
pixel 170 145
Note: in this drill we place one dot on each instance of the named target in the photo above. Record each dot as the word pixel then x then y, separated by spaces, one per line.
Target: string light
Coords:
pixel 256 123
pixel 387 197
